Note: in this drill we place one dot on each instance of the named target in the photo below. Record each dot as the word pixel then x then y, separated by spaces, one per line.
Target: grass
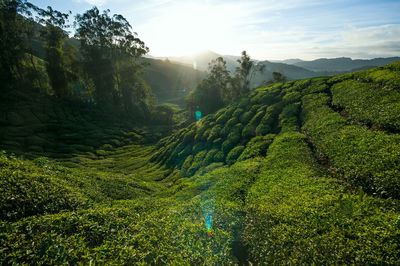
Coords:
pixel 304 172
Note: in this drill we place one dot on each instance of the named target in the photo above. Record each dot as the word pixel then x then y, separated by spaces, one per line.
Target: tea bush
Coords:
pixel 296 215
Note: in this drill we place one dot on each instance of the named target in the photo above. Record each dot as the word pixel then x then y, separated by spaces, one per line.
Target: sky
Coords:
pixel 266 29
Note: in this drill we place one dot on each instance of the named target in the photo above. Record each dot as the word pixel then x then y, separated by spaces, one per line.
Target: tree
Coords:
pixel 105 42
pixel 213 91
pixel 12 33
pixel 243 73
pixel 134 91
pixel 278 77
pixel 241 82
pixel 54 36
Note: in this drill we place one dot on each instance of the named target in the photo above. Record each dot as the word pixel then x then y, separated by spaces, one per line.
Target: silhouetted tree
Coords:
pixel 54 37
pixel 213 91
pixel 105 41
pixel 243 74
pixel 12 38
pixel 241 81
pixel 278 77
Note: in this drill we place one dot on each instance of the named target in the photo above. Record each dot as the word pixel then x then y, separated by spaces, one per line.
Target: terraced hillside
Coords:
pixel 36 124
pixel 351 124
pixel 305 172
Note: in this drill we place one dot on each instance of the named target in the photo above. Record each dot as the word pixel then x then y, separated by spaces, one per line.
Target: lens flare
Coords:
pixel 208 213
pixel 198 115
pixel 208 222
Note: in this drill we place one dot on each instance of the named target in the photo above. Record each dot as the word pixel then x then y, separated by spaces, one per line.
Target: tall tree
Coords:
pixel 213 91
pixel 54 36
pixel 105 40
pixel 241 83
pixel 12 34
pixel 243 73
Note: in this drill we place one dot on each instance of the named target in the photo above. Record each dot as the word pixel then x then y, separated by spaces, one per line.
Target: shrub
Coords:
pixel 199 146
pixel 257 146
pixel 289 118
pixel 230 142
pixel 234 154
pixel 209 158
pixel 186 165
pixel 219 157
pixel 214 134
pixel 291 207
pixel 246 117
pixel 225 116
pixel 366 158
pixel 231 122
pixel 25 190
pixel 369 103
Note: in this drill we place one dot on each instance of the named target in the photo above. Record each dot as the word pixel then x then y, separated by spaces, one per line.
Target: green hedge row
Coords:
pixel 297 216
pixel 369 103
pixel 223 136
pixel 366 158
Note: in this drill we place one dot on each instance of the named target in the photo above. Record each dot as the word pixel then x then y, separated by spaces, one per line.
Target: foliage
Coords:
pixel 109 46
pixel 91 189
pixel 211 93
pixel 220 88
pixel 256 147
pixel 368 103
pixel 12 41
pixel 234 154
pixel 366 158
pixel 297 215
pixel 54 37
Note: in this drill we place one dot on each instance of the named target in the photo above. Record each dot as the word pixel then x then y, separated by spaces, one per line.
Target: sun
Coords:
pixel 188 29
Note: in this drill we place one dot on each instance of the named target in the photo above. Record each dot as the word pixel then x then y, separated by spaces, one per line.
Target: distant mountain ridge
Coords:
pixel 321 66
pixel 343 64
pixel 201 61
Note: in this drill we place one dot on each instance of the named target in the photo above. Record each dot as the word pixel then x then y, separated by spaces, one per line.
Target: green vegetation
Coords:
pixel 220 88
pixel 93 172
pixel 298 215
pixel 376 105
pixel 270 170
pixel 366 158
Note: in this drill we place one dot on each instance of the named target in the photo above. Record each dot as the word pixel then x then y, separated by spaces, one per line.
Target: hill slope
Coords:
pixel 201 61
pixel 360 109
pixel 171 82
pixel 305 172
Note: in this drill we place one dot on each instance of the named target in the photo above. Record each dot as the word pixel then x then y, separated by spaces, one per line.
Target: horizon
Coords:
pixel 199 53
pixel 267 30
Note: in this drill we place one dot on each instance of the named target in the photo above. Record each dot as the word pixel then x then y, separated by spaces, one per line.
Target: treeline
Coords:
pixel 221 87
pixel 102 68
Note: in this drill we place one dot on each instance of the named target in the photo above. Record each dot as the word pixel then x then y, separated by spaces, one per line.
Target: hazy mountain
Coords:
pixel 288 61
pixel 323 66
pixel 291 72
pixel 169 81
pixel 200 61
pixel 344 64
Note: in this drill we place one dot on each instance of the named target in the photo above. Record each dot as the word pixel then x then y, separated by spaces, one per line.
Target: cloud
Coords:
pixel 267 29
pixel 366 42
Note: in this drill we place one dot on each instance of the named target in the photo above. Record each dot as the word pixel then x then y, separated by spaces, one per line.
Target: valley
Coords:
pixel 288 183
pixel 110 155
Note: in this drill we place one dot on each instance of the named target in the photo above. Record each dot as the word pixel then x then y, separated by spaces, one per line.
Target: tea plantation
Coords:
pixel 299 173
